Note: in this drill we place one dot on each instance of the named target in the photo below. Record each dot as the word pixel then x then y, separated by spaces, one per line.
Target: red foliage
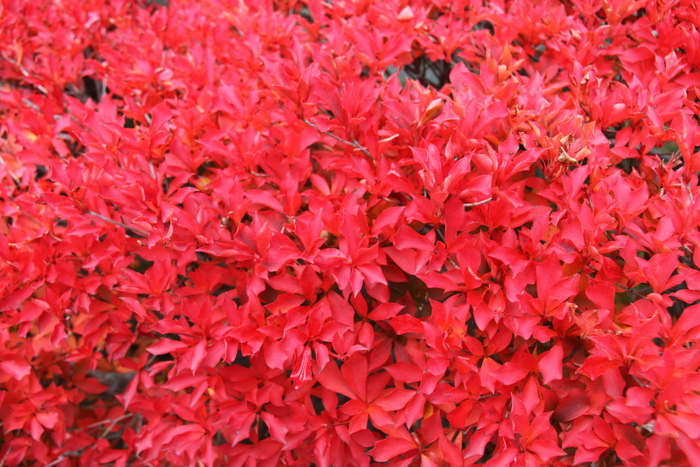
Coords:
pixel 344 233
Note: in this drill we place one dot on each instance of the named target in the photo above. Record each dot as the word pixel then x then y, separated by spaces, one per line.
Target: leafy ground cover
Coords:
pixel 349 233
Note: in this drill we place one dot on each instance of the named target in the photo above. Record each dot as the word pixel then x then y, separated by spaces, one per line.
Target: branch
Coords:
pixel 441 236
pixel 114 423
pixel 2 461
pixel 104 422
pixel 690 194
pixel 25 73
pixel 31 104
pixel 112 221
pixel 479 203
pixel 64 456
pixel 352 143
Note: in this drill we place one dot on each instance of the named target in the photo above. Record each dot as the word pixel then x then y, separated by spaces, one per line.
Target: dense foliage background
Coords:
pixel 349 232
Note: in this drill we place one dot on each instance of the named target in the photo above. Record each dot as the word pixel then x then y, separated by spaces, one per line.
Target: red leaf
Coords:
pixel 405 324
pixel 385 311
pixel 130 392
pixel 390 447
pixel 405 372
pixel 509 373
pixel 395 400
pixel 550 364
pixel 16 368
pixel 332 379
pixel 275 355
pixel 545 448
pixel 182 381
pixel 355 372
pixel 47 420
pixel 197 354
pixel 165 346
pixel 278 431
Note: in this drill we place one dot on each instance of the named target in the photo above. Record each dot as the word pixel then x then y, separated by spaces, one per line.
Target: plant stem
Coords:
pixel 479 203
pixel 352 143
pixel 112 221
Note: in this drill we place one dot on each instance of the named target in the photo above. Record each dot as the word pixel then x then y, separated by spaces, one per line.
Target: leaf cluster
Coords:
pixel 349 233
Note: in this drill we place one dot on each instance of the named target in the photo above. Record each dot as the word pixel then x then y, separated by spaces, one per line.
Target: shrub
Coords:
pixel 349 232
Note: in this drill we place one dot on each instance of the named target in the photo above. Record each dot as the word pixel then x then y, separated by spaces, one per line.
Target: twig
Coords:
pixel 25 73
pixel 690 194
pixel 440 236
pixel 64 456
pixel 31 218
pixel 104 422
pixel 141 459
pixel 630 290
pixel 112 221
pixel 443 240
pixel 15 179
pixel 31 104
pixel 479 203
pixel 114 422
pixel 267 182
pixel 352 143
pixel 639 382
pixel 9 450
pixel 486 396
